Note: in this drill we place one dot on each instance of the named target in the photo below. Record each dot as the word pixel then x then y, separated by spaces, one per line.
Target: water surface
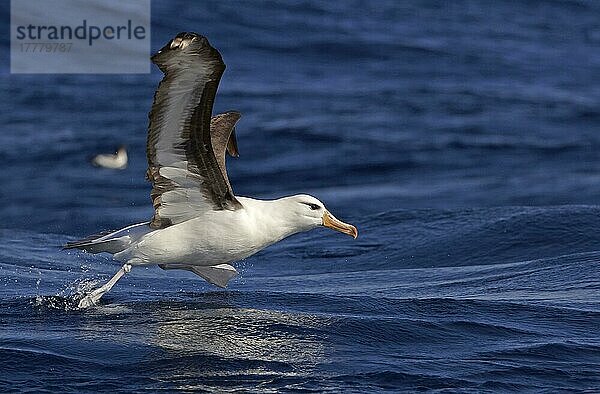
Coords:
pixel 461 139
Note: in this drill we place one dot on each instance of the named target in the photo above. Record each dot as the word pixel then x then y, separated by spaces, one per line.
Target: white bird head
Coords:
pixel 308 213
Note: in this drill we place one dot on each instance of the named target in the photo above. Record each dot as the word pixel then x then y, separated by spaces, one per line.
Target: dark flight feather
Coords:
pixel 186 146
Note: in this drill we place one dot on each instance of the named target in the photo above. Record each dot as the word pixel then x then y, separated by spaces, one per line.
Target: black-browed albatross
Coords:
pixel 199 225
pixel 118 161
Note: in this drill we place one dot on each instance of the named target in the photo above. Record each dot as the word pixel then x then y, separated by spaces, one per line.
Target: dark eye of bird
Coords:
pixel 312 206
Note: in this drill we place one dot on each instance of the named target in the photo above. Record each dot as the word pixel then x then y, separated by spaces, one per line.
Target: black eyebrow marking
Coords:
pixel 312 206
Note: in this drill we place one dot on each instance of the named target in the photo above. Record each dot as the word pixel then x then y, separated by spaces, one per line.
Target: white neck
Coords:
pixel 274 219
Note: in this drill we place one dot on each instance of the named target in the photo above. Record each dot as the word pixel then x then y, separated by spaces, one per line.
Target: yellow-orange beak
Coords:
pixel 331 222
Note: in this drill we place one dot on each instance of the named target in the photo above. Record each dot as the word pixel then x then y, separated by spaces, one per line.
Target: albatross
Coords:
pixel 118 161
pixel 198 225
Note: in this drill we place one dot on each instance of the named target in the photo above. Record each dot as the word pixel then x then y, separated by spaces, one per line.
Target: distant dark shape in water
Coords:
pixel 199 225
pixel 116 161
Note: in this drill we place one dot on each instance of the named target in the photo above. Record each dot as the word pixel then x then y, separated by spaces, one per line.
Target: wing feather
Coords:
pixel 186 146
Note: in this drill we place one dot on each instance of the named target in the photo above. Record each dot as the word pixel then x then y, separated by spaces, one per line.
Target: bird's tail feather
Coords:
pixel 111 241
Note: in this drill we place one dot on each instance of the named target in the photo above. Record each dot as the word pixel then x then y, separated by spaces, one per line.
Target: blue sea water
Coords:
pixel 460 137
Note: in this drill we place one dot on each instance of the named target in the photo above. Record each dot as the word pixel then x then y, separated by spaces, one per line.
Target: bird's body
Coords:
pixel 215 237
pixel 199 225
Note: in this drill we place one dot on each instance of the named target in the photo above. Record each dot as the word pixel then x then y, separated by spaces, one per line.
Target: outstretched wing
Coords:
pixel 185 147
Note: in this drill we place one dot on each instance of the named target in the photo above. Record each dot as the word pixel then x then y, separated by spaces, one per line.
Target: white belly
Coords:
pixel 214 238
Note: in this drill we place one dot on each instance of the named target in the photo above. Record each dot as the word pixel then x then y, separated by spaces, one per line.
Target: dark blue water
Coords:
pixel 460 137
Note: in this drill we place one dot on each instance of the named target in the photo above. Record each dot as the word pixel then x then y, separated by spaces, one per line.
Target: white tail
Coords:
pixel 111 241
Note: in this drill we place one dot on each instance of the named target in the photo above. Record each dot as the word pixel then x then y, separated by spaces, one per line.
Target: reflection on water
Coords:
pixel 211 338
pixel 235 333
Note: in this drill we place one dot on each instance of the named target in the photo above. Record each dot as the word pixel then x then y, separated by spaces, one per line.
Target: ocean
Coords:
pixel 461 138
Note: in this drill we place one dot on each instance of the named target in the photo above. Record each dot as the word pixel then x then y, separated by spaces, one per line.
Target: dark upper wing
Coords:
pixel 185 148
pixel 222 132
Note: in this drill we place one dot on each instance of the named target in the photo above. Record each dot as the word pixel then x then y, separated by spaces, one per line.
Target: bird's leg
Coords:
pixel 94 296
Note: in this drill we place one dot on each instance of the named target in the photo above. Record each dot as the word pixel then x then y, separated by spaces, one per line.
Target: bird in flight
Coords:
pixel 198 224
pixel 118 161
